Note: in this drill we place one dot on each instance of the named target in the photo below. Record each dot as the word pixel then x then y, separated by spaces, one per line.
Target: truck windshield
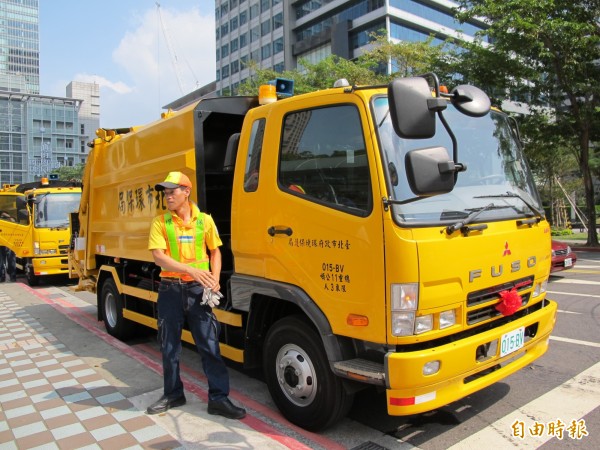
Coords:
pixel 497 181
pixel 52 210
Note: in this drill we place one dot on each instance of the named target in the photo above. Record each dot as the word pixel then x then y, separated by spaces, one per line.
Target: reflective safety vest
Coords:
pixel 200 263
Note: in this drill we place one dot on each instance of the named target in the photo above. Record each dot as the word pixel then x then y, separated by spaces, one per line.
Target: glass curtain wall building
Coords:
pixel 19 46
pixel 38 133
pixel 278 34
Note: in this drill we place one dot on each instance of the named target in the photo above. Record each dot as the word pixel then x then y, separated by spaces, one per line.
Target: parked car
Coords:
pixel 563 257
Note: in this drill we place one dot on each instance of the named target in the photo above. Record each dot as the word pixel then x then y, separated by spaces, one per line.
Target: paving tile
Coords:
pixel 36 440
pixel 79 441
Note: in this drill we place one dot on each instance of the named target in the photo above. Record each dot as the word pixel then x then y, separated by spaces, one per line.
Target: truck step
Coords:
pixel 362 369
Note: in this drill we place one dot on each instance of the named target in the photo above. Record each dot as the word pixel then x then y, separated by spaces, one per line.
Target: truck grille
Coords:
pixel 479 306
pixel 63 249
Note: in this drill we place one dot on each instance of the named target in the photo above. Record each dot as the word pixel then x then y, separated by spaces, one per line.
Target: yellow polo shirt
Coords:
pixel 186 238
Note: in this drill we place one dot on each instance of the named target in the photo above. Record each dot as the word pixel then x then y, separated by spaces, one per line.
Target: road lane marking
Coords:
pixel 577 397
pixel 568 312
pixel 572 281
pixel 573 294
pixel 575 341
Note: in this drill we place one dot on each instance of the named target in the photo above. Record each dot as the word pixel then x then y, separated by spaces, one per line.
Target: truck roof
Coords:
pixel 50 184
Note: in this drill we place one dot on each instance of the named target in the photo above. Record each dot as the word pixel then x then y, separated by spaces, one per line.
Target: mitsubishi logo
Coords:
pixel 506 249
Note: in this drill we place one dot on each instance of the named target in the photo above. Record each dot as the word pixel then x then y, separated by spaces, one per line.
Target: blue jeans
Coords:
pixel 8 263
pixel 173 309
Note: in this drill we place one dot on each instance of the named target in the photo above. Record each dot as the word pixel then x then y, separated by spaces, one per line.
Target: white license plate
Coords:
pixel 512 341
pixel 568 262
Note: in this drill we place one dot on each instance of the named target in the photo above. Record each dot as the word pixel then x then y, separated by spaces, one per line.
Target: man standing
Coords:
pixel 178 241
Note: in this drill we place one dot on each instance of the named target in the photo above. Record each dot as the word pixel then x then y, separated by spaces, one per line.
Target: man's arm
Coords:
pixel 204 277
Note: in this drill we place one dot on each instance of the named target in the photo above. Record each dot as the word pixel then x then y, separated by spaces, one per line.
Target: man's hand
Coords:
pixel 205 278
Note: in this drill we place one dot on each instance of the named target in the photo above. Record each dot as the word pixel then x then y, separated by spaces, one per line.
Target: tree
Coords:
pixel 68 173
pixel 547 52
pixel 403 58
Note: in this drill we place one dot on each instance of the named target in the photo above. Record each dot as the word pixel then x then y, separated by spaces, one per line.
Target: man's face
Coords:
pixel 176 197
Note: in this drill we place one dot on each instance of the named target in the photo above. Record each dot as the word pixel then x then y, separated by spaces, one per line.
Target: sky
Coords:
pixel 142 55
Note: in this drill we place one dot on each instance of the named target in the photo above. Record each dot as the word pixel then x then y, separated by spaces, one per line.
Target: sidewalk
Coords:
pixel 51 398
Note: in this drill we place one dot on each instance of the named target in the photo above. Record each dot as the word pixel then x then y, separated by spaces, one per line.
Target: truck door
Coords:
pixel 319 224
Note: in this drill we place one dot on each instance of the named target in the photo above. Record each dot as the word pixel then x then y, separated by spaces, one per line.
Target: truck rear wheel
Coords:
pixel 299 378
pixel 112 312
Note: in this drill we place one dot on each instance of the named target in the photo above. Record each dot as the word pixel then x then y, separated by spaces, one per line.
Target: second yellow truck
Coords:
pixel 35 225
pixel 382 236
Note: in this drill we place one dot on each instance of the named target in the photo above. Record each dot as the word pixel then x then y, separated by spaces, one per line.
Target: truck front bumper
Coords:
pixel 464 367
pixel 50 265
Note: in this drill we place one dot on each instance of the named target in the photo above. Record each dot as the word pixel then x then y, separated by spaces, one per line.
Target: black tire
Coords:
pixel 299 378
pixel 30 276
pixel 111 302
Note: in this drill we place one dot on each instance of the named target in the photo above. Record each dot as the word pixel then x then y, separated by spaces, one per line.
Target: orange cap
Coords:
pixel 174 180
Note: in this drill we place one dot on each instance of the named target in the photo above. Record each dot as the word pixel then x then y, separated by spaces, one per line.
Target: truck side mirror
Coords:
pixel 470 100
pixel 413 108
pixel 430 171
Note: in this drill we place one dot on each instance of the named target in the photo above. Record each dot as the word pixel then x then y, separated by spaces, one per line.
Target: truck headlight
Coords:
pixel 403 323
pixel 447 319
pixel 540 288
pixel 405 301
pixel 423 324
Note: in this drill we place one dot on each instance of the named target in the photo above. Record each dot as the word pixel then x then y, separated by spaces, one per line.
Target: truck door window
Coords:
pixel 254 152
pixel 323 158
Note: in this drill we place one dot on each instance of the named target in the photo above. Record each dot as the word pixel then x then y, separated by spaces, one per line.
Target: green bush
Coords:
pixel 561 232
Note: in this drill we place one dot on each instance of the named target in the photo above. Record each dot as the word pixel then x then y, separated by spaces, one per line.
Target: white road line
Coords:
pixel 575 341
pixel 573 294
pixel 572 281
pixel 568 312
pixel 570 401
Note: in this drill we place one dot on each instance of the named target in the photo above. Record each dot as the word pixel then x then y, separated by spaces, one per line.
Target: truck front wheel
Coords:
pixel 298 376
pixel 32 278
pixel 111 302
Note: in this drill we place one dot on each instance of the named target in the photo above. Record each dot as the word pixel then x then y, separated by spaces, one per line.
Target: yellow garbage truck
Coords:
pixel 34 224
pixel 389 237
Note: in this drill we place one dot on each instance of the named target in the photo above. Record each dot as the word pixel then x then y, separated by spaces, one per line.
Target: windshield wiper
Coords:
pixel 540 215
pixel 463 224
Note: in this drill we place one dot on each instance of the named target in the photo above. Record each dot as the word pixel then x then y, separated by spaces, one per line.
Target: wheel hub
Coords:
pixel 296 375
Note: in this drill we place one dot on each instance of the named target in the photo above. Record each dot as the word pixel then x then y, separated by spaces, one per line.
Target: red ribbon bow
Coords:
pixel 511 302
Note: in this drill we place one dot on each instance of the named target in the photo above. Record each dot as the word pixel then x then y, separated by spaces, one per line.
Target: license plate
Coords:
pixel 568 262
pixel 512 341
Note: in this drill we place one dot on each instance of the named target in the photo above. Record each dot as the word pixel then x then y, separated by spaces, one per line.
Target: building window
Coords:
pixel 233 24
pixel 265 27
pixel 265 52
pixel 264 5
pixel 243 17
pixel 235 67
pixel 224 29
pixel 253 11
pixel 225 72
pixel 243 40
pixel 277 21
pixel 233 46
pixel 254 34
pixel 278 45
pixel 82 127
pixel 224 50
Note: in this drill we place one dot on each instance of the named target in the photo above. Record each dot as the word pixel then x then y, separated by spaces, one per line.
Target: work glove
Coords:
pixel 211 298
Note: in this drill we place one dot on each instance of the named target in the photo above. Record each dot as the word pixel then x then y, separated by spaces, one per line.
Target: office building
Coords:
pixel 278 34
pixel 38 133
pixel 19 46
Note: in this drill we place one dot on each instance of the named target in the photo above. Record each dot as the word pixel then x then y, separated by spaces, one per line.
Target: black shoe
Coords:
pixel 226 409
pixel 164 404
